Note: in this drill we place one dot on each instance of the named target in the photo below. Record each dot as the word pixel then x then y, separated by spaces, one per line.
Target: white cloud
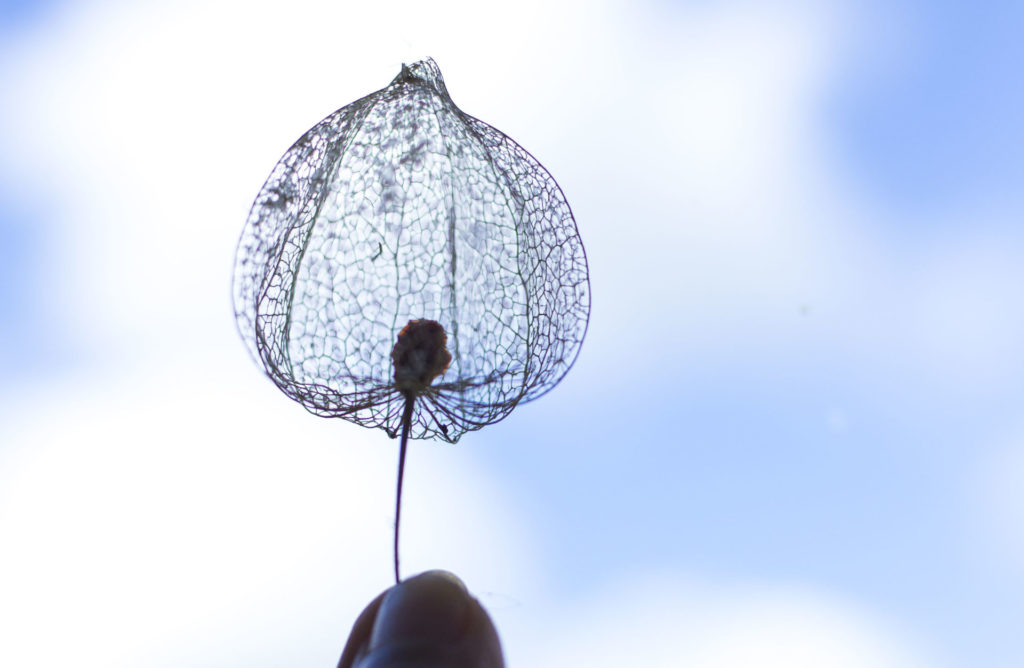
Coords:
pixel 216 524
pixel 690 142
pixel 707 198
pixel 150 522
pixel 668 622
pixel 964 310
pixel 149 129
pixel 994 497
pixel 155 514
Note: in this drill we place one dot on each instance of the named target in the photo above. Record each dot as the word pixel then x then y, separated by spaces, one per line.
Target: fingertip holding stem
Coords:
pixel 429 620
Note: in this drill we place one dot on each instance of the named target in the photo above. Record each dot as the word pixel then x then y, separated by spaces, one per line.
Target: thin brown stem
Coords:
pixel 410 402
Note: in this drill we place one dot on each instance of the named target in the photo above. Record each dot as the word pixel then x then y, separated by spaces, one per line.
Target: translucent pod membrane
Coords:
pixel 400 207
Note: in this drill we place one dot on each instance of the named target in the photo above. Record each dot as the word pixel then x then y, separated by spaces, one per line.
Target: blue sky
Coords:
pixel 940 127
pixel 793 432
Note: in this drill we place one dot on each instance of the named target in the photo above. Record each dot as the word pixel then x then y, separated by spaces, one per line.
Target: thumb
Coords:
pixel 428 621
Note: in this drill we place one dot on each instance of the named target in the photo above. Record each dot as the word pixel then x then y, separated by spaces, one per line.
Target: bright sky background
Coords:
pixel 794 434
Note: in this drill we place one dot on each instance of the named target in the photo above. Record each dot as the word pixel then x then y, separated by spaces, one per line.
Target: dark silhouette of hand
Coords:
pixel 426 621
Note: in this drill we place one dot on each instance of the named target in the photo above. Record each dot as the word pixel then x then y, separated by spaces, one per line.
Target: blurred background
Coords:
pixel 793 436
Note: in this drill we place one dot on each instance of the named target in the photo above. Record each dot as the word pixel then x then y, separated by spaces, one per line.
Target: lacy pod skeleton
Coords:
pixel 396 211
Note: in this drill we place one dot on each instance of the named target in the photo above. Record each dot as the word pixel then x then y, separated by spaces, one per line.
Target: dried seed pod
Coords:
pixel 400 207
pixel 401 212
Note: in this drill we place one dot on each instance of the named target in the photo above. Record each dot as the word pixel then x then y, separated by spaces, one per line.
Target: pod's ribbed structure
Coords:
pixel 401 207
